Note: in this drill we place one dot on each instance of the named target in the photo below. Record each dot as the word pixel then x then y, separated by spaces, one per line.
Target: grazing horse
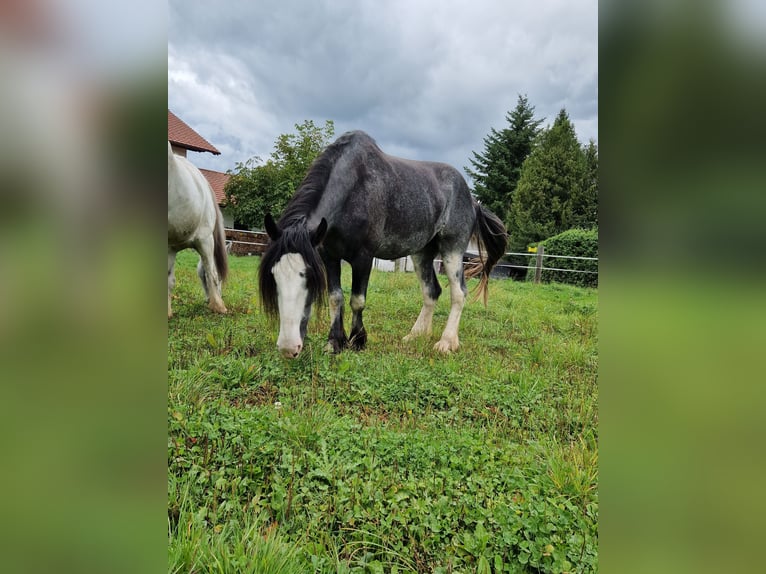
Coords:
pixel 195 221
pixel 357 203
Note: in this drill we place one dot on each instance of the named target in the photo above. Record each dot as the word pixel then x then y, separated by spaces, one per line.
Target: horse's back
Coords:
pixel 387 205
pixel 191 204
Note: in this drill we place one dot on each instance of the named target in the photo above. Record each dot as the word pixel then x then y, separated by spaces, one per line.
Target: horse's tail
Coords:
pixel 219 249
pixel 492 240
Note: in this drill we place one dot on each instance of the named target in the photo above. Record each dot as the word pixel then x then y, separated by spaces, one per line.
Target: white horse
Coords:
pixel 195 221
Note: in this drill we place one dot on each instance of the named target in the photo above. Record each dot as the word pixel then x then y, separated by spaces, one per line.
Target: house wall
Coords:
pixel 178 150
pixel 228 218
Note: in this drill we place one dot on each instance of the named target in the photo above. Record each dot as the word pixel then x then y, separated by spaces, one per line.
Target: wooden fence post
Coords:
pixel 539 263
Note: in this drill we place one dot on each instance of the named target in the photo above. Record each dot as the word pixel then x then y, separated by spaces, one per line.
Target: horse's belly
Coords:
pixel 390 253
pixel 393 246
pixel 177 243
pixel 181 233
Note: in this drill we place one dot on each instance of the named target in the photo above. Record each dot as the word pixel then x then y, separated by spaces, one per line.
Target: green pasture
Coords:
pixel 394 459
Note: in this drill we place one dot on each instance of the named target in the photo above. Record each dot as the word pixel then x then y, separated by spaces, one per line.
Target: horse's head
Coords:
pixel 292 278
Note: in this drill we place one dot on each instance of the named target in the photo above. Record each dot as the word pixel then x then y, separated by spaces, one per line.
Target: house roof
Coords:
pixel 217 181
pixel 180 134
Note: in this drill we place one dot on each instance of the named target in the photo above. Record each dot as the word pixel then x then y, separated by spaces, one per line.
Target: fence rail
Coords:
pixel 237 243
pixel 539 256
pixel 243 242
pixel 555 256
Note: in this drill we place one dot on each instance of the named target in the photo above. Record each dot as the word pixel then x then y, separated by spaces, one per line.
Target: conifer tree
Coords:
pixel 582 208
pixel 496 170
pixel 553 175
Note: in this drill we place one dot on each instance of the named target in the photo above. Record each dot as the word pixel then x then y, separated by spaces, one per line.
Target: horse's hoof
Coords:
pixel 222 310
pixel 446 347
pixel 358 341
pixel 357 344
pixel 333 347
pixel 415 335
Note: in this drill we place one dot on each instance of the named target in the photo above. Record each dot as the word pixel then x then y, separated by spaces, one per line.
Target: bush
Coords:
pixel 574 242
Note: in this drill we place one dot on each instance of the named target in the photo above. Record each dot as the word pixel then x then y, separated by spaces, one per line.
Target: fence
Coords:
pixel 539 268
pixel 241 242
pixel 405 264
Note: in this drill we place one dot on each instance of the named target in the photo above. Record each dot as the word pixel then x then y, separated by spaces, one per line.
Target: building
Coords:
pixel 183 139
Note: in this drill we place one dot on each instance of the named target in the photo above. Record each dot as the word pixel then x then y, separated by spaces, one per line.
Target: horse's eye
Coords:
pixel 302 274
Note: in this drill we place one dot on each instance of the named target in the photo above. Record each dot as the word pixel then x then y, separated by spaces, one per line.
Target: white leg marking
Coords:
pixel 215 303
pixel 357 303
pixel 336 304
pixel 423 324
pixel 424 321
pixel 449 341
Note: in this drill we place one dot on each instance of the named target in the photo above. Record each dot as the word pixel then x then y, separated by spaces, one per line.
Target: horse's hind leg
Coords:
pixel 171 278
pixel 209 276
pixel 429 285
pixel 453 266
pixel 359 280
pixel 203 278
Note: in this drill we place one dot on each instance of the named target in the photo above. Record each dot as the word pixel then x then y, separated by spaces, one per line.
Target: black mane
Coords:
pixel 309 192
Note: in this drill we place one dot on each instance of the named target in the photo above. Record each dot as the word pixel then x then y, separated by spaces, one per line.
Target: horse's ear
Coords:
pixel 271 227
pixel 318 234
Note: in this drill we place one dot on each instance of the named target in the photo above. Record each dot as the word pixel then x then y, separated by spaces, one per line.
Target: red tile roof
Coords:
pixel 217 181
pixel 180 134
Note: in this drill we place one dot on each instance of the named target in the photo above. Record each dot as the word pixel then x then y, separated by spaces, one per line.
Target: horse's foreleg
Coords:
pixel 171 278
pixel 453 266
pixel 336 340
pixel 431 289
pixel 211 280
pixel 359 281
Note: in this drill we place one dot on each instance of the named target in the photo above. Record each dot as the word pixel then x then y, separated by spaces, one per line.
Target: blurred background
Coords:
pixel 82 333
pixel 83 92
pixel 682 306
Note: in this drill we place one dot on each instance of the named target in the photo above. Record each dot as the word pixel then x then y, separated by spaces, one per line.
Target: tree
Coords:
pixel 551 195
pixel 496 171
pixel 582 208
pixel 256 188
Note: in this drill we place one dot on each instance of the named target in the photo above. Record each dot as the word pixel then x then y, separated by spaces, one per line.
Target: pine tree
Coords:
pixel 553 174
pixel 582 208
pixel 496 171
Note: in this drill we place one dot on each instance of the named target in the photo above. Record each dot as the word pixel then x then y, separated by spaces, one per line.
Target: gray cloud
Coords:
pixel 426 79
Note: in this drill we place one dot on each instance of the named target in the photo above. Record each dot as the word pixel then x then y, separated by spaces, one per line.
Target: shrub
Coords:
pixel 574 242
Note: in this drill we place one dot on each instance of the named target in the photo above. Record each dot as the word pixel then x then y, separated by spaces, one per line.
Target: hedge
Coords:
pixel 574 242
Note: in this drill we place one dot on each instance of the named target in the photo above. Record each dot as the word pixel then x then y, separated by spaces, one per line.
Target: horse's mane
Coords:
pixel 309 192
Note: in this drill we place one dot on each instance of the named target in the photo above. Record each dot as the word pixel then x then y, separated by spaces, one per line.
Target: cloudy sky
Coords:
pixel 426 78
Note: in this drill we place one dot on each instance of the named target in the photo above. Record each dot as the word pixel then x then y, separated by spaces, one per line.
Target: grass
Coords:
pixel 394 459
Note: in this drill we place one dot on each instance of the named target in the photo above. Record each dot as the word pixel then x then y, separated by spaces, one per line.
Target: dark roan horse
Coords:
pixel 357 203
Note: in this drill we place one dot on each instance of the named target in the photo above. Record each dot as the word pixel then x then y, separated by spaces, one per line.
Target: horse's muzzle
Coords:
pixel 291 351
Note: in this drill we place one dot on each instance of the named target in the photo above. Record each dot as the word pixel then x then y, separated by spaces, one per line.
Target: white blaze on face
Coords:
pixel 290 277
